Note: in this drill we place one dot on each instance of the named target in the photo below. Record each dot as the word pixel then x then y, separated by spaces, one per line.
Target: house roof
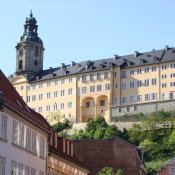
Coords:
pixel 67 157
pixel 128 61
pixel 10 97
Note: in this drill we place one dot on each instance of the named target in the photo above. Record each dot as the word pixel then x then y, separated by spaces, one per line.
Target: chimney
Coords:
pixel 166 47
pixel 72 63
pixel 136 53
pixel 62 65
pixel 116 57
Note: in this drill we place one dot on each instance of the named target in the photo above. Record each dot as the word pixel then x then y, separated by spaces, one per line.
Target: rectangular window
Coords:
pixel 171 95
pixel 69 104
pixel 154 82
pixel 87 104
pixel 22 87
pixel 56 82
pixel 102 102
pixel 92 88
pixel 131 71
pixel 99 88
pixel 154 68
pixel 42 146
pixel 83 90
pixel 28 88
pixel 40 96
pixel 62 81
pixel 33 86
pixel 173 65
pixel 20 169
pixel 33 171
pixel 139 83
pixel 55 107
pixel 124 99
pixel 163 85
pixel 40 109
pixel 48 95
pixel 14 168
pixel 123 74
pixel 28 99
pixel 163 96
pixel 147 97
pixel 34 142
pixel 139 71
pixel 15 133
pixel 33 97
pixel 98 76
pixel 146 69
pixel 62 92
pixel 48 108
pixel 2 165
pixel 164 76
pixel 115 74
pixel 147 82
pixel 123 85
pixel 154 96
pixel 41 85
pixel 107 86
pixel 55 94
pixel 21 135
pixel 28 139
pixel 48 84
pixel 115 100
pixel 139 97
pixel 69 91
pixel 164 67
pixel 131 84
pixel 131 99
pixel 106 75
pixel 3 128
pixel 91 77
pixel 84 78
pixel 70 79
pixel 62 106
pixel 27 170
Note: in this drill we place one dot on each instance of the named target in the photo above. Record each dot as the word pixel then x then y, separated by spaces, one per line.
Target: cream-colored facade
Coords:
pixel 82 91
pixel 81 98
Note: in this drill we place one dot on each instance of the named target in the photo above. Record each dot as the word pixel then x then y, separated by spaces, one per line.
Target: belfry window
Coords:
pixel 36 63
pixel 20 64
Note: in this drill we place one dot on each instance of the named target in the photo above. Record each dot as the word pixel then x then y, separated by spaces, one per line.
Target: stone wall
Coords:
pixel 145 108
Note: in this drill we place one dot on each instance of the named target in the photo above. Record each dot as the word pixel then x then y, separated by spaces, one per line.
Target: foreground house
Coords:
pixel 23 135
pixel 99 153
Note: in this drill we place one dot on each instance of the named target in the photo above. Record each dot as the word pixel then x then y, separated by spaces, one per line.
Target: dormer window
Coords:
pixel 27 108
pixel 1 93
pixel 19 103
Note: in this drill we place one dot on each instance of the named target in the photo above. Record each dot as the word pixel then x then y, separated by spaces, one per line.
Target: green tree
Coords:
pixel 110 171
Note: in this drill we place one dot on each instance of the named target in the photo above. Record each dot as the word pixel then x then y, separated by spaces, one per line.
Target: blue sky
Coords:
pixel 78 30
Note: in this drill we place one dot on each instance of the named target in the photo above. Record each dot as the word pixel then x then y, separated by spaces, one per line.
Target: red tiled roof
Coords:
pixel 163 171
pixel 10 97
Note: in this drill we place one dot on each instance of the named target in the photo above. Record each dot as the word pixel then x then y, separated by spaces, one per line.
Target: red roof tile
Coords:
pixel 11 98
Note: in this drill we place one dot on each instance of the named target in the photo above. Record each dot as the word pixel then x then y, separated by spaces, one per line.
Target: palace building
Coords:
pixel 84 90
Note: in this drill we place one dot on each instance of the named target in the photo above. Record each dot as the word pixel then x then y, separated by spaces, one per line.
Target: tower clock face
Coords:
pixel 21 53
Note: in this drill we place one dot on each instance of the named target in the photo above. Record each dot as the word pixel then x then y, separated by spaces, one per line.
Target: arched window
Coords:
pixel 36 51
pixel 36 63
pixel 20 64
pixel 55 107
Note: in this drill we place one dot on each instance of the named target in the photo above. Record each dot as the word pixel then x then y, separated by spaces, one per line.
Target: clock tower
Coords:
pixel 29 49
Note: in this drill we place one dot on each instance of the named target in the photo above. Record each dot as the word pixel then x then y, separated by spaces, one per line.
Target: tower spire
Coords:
pixel 31 14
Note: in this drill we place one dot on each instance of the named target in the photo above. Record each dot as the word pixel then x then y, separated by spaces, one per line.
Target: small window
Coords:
pixel 36 63
pixel 20 64
pixel 88 104
pixel 102 102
